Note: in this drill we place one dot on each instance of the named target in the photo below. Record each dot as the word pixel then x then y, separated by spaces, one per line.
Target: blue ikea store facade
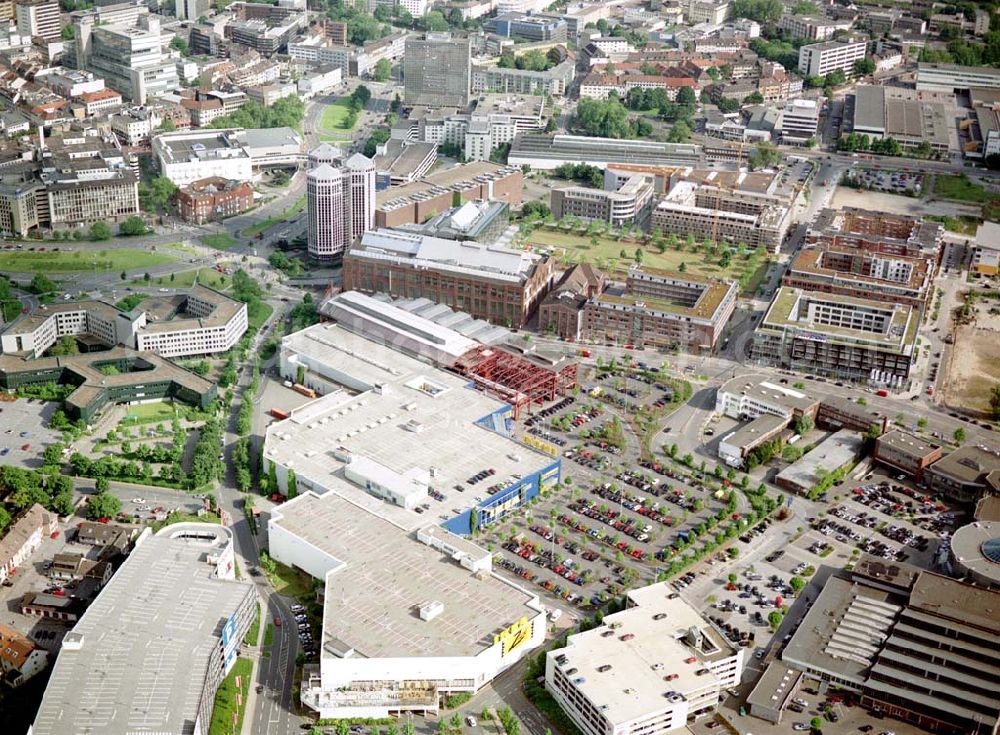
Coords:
pixel 493 508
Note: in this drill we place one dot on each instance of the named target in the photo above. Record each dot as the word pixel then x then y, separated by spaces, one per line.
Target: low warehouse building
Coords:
pixel 832 454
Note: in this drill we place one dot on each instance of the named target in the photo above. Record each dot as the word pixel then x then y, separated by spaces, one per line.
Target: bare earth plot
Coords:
pixel 973 369
pixel 896 204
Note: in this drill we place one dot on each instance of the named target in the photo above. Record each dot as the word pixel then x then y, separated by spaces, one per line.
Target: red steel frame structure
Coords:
pixel 515 378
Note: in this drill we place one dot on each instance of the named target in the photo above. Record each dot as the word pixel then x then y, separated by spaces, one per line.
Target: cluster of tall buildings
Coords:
pixel 340 201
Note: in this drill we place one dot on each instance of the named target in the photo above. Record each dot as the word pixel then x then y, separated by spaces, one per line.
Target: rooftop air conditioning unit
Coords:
pixel 430 610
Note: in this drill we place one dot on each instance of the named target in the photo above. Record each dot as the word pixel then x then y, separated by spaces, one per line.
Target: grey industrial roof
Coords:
pixel 970 544
pixel 869 107
pixel 145 642
pixel 969 463
pixel 459 255
pixel 752 433
pixel 836 639
pixel 908 444
pixel 960 602
pixel 829 455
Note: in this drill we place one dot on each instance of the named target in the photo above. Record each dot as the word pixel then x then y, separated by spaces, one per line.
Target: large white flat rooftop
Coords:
pixel 642 645
pixel 420 418
pixel 145 642
pixel 382 575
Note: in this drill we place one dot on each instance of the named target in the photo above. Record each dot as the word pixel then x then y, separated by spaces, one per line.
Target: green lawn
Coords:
pixel 253 632
pixel 268 635
pixel 225 699
pixel 334 120
pixel 607 254
pixel 128 259
pixel 151 413
pixel 291 583
pixel 220 241
pixel 960 188
pixel 204 276
pixel 257 314
pixel 297 207
pixel 186 518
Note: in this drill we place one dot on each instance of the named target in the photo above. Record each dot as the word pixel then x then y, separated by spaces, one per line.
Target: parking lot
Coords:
pixel 886 517
pixel 617 520
pixel 25 432
pixel 892 182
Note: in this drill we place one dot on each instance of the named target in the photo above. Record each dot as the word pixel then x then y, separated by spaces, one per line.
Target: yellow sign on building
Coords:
pixel 513 637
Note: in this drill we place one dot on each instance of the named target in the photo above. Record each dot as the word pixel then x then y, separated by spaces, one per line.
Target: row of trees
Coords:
pixel 46 487
pixel 884 146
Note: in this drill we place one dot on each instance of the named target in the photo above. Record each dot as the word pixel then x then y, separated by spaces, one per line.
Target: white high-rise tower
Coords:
pixel 340 199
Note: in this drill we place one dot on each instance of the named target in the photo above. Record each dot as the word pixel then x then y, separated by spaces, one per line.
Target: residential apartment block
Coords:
pixel 599 86
pixel 498 284
pixel 622 205
pixel 663 309
pixel 721 215
pixel 23 537
pixel 848 271
pixel 20 658
pixel 495 121
pixel 839 336
pixel 876 233
pixel 499 80
pixel 820 59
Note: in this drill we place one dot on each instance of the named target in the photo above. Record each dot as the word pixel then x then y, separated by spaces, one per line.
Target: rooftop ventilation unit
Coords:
pixel 430 610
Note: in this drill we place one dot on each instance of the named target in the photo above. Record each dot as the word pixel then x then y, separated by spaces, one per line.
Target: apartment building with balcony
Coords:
pixel 838 336
pixel 721 215
pixel 661 308
pixel 850 272
pixel 621 205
